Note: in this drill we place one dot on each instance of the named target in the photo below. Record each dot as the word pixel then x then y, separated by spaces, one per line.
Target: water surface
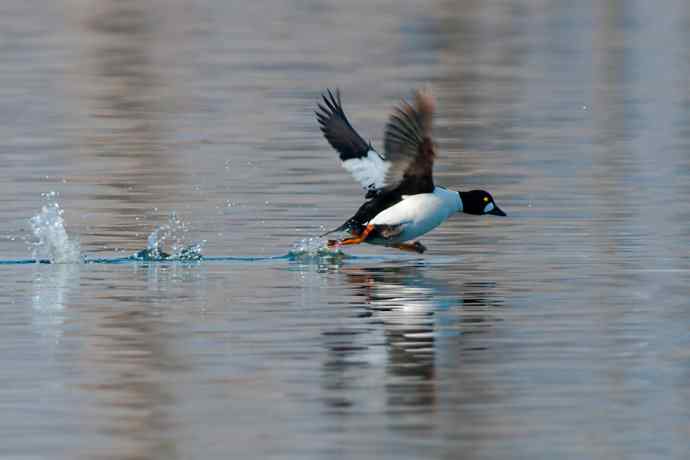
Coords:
pixel 560 331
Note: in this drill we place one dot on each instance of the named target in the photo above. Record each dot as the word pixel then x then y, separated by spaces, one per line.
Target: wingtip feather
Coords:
pixel 425 100
pixel 426 105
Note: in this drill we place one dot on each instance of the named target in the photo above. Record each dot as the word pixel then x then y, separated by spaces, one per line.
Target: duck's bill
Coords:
pixel 496 211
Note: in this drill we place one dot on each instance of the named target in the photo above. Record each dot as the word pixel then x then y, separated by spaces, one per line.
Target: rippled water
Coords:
pixel 561 331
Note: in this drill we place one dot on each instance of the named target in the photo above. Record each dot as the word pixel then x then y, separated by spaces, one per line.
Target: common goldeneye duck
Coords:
pixel 402 202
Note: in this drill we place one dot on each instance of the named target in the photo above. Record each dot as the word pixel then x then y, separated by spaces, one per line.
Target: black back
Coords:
pixel 384 200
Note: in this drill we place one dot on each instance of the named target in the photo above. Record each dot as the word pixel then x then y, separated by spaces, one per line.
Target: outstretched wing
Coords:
pixel 409 148
pixel 357 156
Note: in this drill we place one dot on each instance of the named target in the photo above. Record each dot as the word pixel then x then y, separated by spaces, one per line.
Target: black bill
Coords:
pixel 496 211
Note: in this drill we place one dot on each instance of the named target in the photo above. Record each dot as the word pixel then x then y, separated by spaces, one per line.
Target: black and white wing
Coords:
pixel 409 148
pixel 357 156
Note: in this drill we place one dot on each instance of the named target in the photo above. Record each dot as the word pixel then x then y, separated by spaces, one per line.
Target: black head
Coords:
pixel 479 202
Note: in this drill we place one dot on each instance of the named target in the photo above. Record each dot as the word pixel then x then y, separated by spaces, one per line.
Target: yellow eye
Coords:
pixel 486 198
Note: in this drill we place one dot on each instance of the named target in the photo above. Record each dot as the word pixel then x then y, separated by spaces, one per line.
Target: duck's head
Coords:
pixel 479 202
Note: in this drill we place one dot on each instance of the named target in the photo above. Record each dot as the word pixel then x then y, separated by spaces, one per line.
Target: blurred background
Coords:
pixel 561 330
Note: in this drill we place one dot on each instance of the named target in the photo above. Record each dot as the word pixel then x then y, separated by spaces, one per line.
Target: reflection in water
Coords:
pixel 165 278
pixel 124 142
pixel 413 324
pixel 482 105
pixel 127 346
pixel 52 286
pixel 129 350
pixel 123 95
pixel 121 358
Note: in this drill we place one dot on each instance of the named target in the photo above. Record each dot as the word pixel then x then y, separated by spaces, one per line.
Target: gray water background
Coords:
pixel 561 331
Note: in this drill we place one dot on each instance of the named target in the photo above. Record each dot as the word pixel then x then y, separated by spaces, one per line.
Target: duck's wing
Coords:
pixel 366 165
pixel 409 148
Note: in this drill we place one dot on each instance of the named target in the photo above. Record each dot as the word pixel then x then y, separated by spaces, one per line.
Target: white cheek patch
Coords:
pixel 488 208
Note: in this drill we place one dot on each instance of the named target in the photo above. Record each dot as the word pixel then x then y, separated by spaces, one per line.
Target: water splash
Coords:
pixel 52 244
pixel 174 235
pixel 51 239
pixel 314 249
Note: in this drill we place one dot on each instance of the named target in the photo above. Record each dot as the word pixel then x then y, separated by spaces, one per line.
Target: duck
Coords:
pixel 402 202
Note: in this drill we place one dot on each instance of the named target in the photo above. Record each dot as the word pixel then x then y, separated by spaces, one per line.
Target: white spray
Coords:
pixel 51 239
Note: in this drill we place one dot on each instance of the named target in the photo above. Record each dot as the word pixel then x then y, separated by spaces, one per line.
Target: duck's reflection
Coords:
pixel 411 325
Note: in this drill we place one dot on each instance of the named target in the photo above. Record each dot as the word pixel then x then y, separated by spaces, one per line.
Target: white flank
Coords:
pixel 369 171
pixel 418 214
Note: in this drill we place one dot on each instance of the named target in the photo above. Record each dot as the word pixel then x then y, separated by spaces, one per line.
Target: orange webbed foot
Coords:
pixel 354 240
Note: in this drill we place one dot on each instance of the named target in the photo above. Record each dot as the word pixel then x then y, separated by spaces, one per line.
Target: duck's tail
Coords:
pixel 342 228
pixel 351 226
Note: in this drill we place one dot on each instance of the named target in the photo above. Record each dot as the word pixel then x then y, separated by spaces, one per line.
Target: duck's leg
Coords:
pixel 355 240
pixel 417 247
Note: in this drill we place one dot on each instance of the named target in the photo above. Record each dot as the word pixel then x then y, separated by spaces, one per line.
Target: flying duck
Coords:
pixel 402 202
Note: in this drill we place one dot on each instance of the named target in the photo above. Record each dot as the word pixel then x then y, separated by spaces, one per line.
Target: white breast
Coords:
pixel 418 214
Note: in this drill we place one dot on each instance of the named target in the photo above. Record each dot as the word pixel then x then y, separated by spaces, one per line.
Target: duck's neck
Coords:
pixel 461 201
pixel 461 204
pixel 452 198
